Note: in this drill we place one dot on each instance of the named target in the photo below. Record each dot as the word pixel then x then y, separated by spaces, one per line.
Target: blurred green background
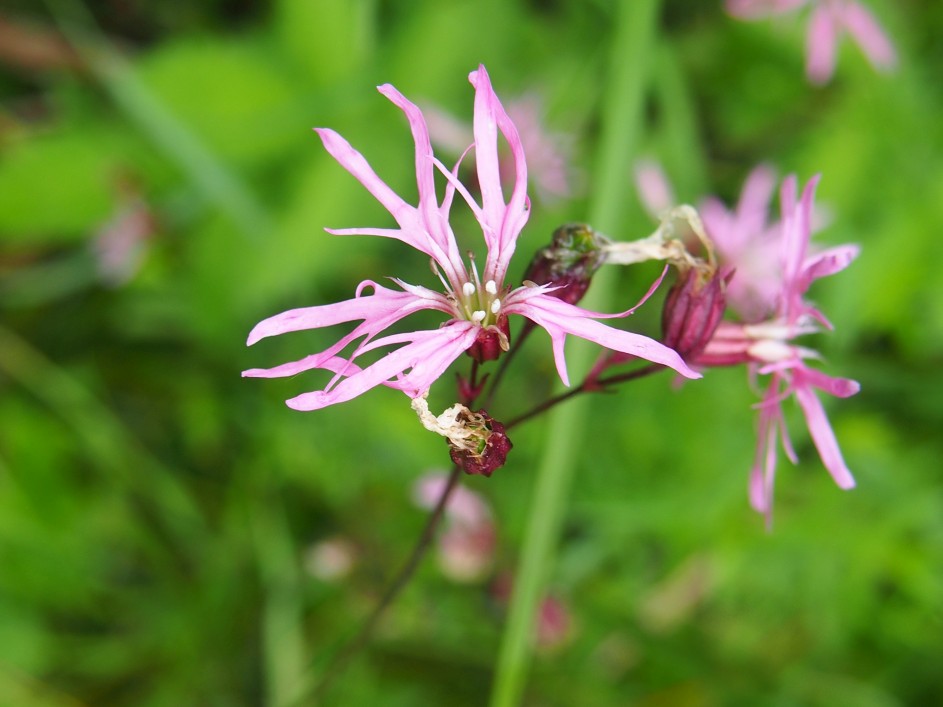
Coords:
pixel 162 520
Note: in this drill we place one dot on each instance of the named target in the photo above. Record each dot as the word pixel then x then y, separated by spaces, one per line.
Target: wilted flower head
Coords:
pixel 769 349
pixel 477 442
pixel 828 21
pixel 474 303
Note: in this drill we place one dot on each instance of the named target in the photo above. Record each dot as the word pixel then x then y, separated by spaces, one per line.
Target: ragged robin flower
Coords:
pixel 769 348
pixel 476 304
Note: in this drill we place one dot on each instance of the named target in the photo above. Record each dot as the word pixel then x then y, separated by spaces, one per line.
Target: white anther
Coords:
pixel 491 288
pixel 495 306
pixel 477 316
pixel 468 288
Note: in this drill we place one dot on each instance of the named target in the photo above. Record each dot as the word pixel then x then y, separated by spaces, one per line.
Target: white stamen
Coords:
pixel 491 288
pixel 468 288
pixel 477 316
pixel 495 306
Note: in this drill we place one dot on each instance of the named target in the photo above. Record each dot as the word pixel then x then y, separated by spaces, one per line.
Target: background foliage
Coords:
pixel 157 512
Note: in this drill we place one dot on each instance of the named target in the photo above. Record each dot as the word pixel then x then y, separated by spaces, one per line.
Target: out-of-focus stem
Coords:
pixel 360 639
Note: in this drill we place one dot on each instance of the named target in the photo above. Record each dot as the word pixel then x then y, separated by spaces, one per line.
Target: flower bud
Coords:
pixel 693 310
pixel 485 449
pixel 569 262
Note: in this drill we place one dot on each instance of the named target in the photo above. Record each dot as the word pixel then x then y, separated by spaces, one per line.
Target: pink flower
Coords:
pixel 828 21
pixel 476 306
pixel 769 349
pixel 466 547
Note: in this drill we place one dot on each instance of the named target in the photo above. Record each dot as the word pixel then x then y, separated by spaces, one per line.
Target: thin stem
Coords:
pixel 599 385
pixel 545 405
pixel 360 639
pixel 631 375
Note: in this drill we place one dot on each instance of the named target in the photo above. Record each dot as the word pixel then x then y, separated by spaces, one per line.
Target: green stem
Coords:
pixel 635 26
pixel 587 386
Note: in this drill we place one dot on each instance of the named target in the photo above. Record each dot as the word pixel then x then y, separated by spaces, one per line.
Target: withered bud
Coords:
pixel 569 262
pixel 486 449
pixel 492 341
pixel 477 442
pixel 693 309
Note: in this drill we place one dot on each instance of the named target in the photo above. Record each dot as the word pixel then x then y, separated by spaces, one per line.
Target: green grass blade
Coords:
pixel 622 118
pixel 219 185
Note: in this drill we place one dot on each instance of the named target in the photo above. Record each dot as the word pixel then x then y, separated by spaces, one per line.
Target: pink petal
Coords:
pixel 357 165
pixel 435 221
pixel 654 189
pixel 826 263
pixel 796 225
pixel 426 357
pixel 870 37
pixel 839 387
pixel 560 319
pixel 502 222
pixel 821 41
pixel 823 436
pixel 335 364
pixel 379 306
pixel 413 230
pixel 753 207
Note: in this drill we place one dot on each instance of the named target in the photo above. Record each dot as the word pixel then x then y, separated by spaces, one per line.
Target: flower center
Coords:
pixel 479 303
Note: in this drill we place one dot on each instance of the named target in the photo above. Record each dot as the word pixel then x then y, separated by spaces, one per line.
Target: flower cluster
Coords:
pixel 477 306
pixel 742 263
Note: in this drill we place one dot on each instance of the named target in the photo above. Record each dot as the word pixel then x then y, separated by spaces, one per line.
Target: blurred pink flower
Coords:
pixel 769 349
pixel 828 21
pixel 477 307
pixel 553 625
pixel 331 559
pixel 745 239
pixel 466 545
pixel 654 189
pixel 120 245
